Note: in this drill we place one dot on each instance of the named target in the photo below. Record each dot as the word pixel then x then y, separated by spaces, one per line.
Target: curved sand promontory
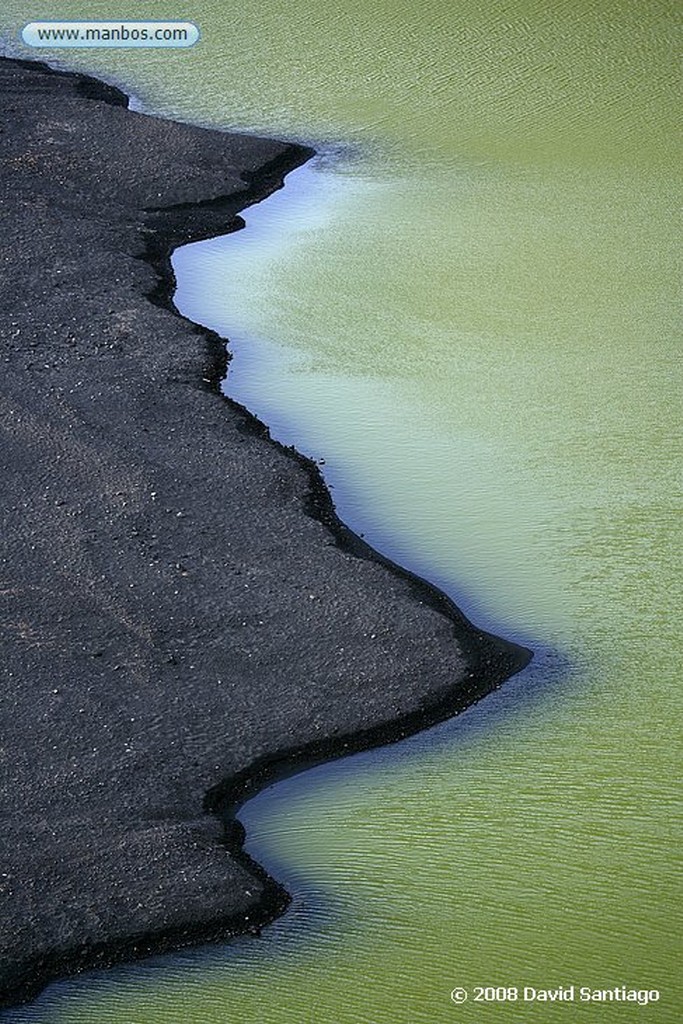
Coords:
pixel 183 616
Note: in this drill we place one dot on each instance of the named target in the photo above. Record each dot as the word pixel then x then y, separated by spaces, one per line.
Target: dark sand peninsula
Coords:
pixel 183 617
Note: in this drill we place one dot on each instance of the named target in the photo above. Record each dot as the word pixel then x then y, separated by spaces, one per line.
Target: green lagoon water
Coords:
pixel 471 315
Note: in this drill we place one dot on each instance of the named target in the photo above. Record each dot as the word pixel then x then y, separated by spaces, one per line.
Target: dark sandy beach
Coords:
pixel 183 617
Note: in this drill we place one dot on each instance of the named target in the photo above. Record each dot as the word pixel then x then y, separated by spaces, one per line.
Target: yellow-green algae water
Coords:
pixel 471 317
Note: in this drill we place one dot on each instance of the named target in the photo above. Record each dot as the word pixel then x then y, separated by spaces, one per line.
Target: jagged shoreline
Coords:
pixel 184 617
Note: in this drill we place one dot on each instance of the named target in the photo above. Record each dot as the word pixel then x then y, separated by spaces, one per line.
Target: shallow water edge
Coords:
pixel 478 663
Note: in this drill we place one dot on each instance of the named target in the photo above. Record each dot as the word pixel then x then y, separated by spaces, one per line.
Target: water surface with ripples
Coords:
pixel 466 308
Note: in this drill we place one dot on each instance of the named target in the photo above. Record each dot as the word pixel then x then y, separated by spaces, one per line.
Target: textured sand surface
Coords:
pixel 183 617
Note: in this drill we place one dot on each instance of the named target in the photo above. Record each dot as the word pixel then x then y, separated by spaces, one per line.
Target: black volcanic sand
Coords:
pixel 183 616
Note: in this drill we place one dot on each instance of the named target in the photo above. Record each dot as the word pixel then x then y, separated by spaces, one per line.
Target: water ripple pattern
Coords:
pixel 470 316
